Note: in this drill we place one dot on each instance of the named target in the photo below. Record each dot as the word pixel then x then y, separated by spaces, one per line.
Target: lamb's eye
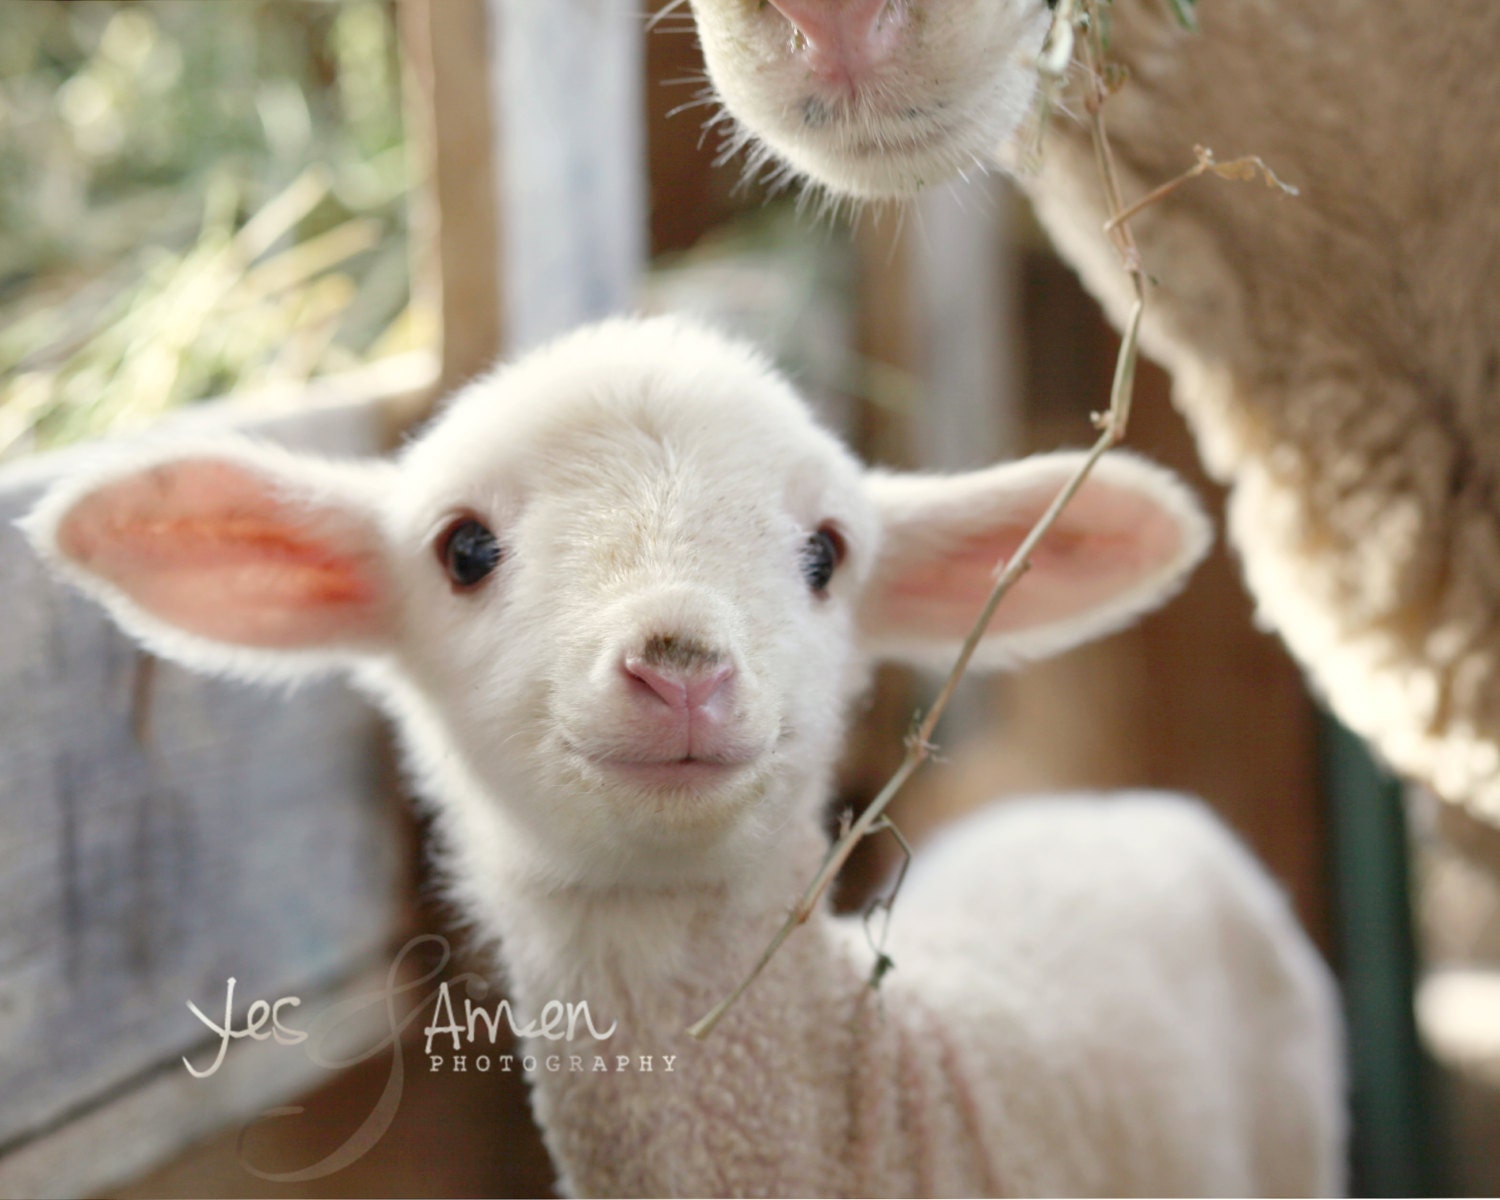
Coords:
pixel 468 552
pixel 821 555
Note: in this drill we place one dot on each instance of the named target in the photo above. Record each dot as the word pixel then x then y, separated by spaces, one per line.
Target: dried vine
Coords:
pixel 1077 37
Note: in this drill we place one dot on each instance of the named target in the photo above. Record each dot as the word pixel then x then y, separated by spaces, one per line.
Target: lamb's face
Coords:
pixel 661 651
pixel 613 594
pixel 875 98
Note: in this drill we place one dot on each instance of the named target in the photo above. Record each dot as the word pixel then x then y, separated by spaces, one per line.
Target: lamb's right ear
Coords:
pixel 1123 546
pixel 233 557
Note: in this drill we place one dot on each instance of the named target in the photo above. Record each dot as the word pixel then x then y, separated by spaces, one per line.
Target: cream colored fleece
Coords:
pixel 1337 354
pixel 1180 1039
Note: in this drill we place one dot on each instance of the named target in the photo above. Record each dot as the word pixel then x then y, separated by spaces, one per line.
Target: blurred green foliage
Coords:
pixel 195 198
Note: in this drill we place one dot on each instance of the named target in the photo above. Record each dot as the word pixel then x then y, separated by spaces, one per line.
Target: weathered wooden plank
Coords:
pixel 567 105
pixel 455 226
pixel 161 832
pixel 963 313
pixel 166 1109
pixel 530 118
pixel 963 310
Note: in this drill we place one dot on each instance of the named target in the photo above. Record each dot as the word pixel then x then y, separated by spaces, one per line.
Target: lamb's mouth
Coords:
pixel 685 773
pixel 913 138
pixel 690 773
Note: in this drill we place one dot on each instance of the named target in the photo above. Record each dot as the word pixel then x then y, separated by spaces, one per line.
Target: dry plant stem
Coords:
pixel 919 745
pixel 1247 167
pixel 1154 195
pixel 1112 429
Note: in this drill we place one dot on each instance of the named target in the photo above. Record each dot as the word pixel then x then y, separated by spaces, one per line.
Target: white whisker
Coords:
pixel 661 14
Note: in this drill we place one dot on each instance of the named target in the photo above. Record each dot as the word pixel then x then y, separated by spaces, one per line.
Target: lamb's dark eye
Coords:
pixel 821 555
pixel 468 552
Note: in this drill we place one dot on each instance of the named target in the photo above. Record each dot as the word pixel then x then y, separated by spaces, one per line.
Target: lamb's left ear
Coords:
pixel 233 557
pixel 1122 546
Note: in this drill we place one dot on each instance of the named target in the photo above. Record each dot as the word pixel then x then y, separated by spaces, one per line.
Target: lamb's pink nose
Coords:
pixel 688 689
pixel 845 38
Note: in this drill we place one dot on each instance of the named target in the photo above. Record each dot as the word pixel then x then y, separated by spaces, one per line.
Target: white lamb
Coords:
pixel 618 599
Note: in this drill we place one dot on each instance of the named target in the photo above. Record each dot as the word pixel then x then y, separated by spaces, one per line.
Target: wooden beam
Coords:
pixel 964 312
pixel 455 223
pixel 161 832
pixel 165 1109
pixel 567 99
pixel 530 120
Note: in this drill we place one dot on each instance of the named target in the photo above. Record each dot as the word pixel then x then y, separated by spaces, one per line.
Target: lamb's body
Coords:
pixel 1174 1041
pixel 617 600
pixel 1337 354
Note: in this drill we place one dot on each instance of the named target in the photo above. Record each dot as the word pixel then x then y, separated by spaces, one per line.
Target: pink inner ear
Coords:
pixel 212 548
pixel 1107 542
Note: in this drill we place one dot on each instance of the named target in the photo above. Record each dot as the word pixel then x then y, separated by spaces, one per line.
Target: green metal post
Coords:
pixel 1392 1144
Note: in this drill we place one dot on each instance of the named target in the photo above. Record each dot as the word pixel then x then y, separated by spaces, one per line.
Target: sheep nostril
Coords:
pixel 839 33
pixel 680 688
pixel 704 687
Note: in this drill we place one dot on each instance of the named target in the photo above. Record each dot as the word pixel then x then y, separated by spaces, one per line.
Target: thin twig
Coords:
pixel 1073 17
pixel 1247 167
pixel 885 904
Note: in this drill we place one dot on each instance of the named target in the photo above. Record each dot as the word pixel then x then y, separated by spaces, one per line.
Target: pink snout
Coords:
pixel 689 689
pixel 845 38
pixel 681 707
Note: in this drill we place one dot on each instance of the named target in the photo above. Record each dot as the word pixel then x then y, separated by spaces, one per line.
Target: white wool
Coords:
pixel 960 80
pixel 1089 995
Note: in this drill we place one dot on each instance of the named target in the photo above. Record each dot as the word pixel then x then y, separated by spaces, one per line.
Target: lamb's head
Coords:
pixel 874 98
pixel 619 595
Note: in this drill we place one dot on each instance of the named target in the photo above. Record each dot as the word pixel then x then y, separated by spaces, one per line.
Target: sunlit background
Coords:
pixel 235 200
pixel 195 199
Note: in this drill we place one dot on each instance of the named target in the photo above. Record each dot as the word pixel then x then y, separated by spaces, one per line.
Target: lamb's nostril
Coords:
pixel 685 688
pixel 840 34
pixel 703 687
pixel 649 681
